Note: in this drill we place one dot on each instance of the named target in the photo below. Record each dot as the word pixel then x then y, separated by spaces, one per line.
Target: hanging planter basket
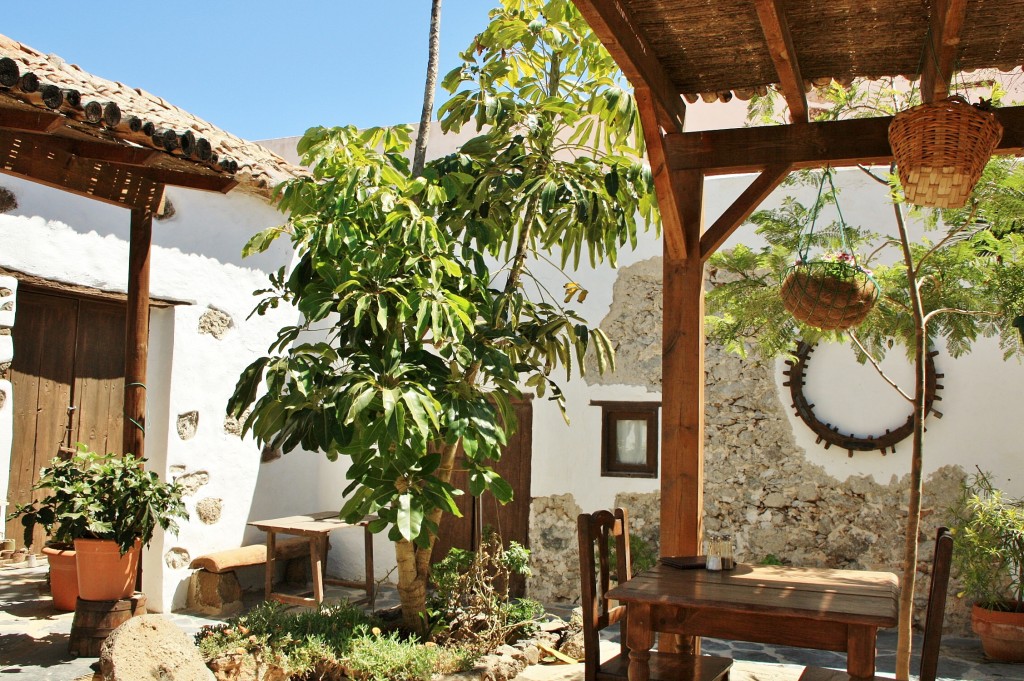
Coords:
pixel 831 296
pixel 941 148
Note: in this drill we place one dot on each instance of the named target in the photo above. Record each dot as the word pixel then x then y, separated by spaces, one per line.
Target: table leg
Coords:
pixel 271 550
pixel 368 546
pixel 639 639
pixel 317 549
pixel 860 651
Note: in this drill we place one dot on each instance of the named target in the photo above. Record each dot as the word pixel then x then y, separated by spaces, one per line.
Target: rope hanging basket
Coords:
pixel 941 148
pixel 831 296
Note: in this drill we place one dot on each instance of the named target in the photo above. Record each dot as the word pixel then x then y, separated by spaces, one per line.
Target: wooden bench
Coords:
pixel 214 588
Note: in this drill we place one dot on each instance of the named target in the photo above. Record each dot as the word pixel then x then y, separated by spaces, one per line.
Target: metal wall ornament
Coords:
pixel 851 442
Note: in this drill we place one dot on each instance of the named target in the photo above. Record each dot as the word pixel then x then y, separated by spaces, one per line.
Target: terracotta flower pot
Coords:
pixel 1001 633
pixel 103 573
pixel 63 576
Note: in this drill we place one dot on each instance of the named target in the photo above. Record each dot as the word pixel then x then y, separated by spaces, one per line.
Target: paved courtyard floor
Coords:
pixel 34 644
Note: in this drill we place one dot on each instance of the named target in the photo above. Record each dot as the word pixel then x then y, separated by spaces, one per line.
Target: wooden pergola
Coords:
pixel 92 137
pixel 679 51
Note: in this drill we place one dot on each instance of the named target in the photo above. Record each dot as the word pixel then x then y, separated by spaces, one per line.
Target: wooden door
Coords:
pixel 67 382
pixel 512 520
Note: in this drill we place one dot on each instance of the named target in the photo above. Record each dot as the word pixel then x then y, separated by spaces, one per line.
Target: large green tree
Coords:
pixel 962 280
pixel 420 316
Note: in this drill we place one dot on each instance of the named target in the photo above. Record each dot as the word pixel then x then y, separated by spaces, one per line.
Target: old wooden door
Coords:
pixel 511 521
pixel 68 383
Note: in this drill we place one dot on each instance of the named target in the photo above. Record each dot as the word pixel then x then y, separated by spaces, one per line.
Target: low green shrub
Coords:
pixel 389 657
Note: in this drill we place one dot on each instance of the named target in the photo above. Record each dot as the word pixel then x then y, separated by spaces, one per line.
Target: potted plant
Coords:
pixel 831 292
pixel 988 534
pixel 109 506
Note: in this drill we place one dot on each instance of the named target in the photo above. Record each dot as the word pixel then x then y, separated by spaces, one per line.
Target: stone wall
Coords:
pixel 759 486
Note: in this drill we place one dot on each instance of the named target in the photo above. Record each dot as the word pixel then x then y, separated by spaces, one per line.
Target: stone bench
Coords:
pixel 214 587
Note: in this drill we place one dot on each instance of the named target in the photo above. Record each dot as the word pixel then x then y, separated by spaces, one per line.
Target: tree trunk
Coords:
pixel 907 584
pixel 419 158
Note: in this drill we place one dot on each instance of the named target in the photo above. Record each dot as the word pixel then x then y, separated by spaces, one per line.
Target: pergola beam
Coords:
pixel 617 29
pixel 665 186
pixel 780 47
pixel 943 37
pixel 860 141
pixel 30 120
pixel 745 204
pixel 94 150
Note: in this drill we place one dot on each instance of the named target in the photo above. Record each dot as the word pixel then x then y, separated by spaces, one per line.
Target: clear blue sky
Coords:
pixel 257 68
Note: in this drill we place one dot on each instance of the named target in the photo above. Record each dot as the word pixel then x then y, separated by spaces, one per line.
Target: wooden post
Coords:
pixel 682 370
pixel 137 331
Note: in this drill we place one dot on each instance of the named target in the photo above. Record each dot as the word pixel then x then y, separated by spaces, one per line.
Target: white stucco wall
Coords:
pixel 196 259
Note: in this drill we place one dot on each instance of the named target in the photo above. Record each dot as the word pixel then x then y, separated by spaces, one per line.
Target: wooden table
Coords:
pixel 825 609
pixel 316 527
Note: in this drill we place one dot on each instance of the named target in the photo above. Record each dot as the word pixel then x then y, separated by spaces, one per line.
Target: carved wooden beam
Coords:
pixel 95 149
pixel 780 46
pixel 745 204
pixel 615 26
pixel 861 141
pixel 947 21
pixel 31 121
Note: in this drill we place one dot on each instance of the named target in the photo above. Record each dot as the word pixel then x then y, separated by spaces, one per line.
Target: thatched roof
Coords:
pixel 717 49
pixel 94 108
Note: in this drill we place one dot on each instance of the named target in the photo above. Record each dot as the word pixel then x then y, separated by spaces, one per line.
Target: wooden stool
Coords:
pixel 94 620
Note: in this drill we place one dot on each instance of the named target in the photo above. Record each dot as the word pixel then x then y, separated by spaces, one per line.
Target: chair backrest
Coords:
pixel 596 532
pixel 936 604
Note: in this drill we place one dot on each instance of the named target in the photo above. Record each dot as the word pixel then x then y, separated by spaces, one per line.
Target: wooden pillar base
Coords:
pixel 94 620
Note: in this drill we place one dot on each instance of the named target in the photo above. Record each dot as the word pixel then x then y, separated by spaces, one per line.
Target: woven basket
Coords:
pixel 941 149
pixel 818 297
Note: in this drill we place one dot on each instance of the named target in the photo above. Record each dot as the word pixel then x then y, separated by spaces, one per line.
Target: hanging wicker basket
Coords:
pixel 941 149
pixel 827 295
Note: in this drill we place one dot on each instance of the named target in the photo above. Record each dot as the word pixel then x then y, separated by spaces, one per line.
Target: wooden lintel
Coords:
pixel 616 28
pixel 780 46
pixel 111 152
pixel 947 20
pixel 745 204
pixel 860 141
pixel 29 120
pixel 672 231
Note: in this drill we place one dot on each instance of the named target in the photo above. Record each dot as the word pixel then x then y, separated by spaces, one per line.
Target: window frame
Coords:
pixel 611 413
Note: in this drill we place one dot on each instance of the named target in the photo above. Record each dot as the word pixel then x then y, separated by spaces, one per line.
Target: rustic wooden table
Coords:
pixel 825 609
pixel 316 527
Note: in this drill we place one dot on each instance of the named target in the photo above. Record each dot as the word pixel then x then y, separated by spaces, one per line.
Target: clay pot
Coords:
pixel 63 576
pixel 103 573
pixel 1001 633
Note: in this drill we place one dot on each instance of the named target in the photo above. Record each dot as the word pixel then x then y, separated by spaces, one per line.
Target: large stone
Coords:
pixel 209 510
pixel 151 647
pixel 188 423
pixel 215 593
pixel 215 323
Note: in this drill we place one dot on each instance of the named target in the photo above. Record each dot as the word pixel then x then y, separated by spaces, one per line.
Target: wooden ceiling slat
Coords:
pixel 860 141
pixel 947 21
pixel 627 44
pixel 31 121
pixel 780 46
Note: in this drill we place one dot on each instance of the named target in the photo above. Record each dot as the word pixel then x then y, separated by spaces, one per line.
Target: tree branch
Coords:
pixel 878 368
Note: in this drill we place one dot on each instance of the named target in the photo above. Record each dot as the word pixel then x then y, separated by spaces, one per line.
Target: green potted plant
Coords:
pixel 109 506
pixel 988 534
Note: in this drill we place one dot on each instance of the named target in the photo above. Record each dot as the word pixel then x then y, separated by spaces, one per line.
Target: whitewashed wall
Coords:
pixel 196 259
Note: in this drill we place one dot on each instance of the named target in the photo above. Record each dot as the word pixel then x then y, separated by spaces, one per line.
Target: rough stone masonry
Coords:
pixel 759 486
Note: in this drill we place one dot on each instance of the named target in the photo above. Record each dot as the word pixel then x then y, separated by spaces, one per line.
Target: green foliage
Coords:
pixel 298 642
pixel 470 602
pixel 643 554
pixel 971 278
pixel 101 496
pixel 409 343
pixel 771 559
pixel 988 544
pixel 389 657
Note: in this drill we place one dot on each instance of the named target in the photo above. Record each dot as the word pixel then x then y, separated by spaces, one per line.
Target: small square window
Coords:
pixel 629 439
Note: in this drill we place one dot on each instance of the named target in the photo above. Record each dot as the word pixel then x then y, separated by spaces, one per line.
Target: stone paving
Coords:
pixel 34 640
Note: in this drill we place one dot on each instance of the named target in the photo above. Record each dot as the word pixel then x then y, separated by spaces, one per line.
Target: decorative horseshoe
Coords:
pixel 830 434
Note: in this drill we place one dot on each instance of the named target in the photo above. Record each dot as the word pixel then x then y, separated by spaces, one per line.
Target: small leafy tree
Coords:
pixel 420 316
pixel 965 284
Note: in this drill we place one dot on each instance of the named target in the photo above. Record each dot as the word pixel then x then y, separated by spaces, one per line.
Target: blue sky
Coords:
pixel 256 68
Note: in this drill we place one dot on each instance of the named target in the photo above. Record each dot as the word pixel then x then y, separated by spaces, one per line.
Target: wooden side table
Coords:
pixel 316 527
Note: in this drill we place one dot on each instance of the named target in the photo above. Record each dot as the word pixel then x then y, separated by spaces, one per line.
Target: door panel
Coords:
pixel 68 350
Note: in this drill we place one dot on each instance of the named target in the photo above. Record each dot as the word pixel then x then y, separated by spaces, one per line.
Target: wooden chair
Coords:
pixel 932 622
pixel 595 576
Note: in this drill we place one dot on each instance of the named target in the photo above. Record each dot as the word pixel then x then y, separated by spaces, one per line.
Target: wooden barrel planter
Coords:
pixel 941 149
pixel 827 295
pixel 94 620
